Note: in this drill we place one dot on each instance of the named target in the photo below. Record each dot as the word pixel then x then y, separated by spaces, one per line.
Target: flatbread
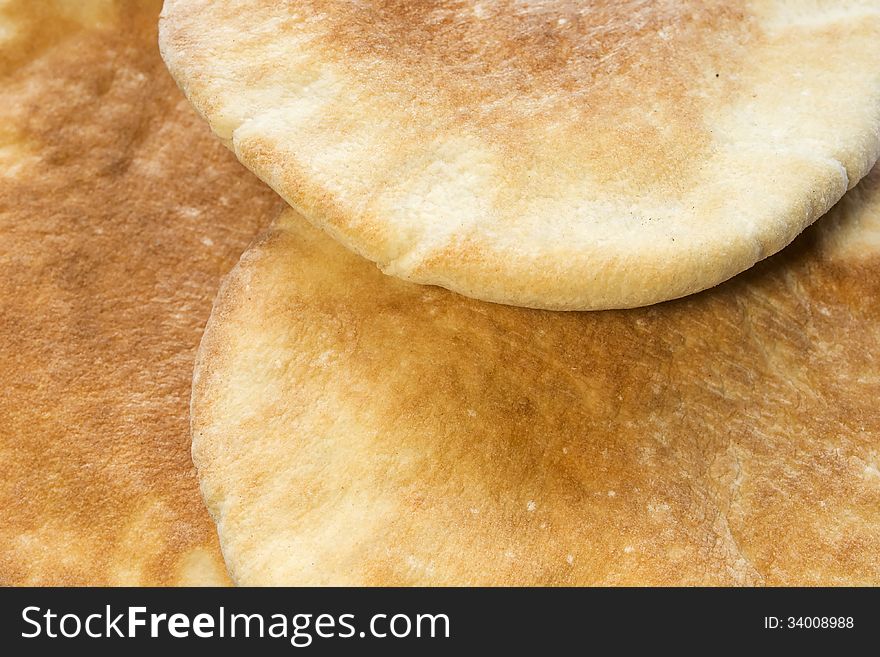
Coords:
pixel 547 154
pixel 119 213
pixel 349 428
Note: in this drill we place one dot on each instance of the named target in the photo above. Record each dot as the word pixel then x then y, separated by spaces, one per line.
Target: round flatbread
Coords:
pixel 349 428
pixel 119 213
pixel 546 154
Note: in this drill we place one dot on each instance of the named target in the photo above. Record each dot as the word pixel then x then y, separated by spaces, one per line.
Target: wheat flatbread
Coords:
pixel 351 428
pixel 546 154
pixel 119 212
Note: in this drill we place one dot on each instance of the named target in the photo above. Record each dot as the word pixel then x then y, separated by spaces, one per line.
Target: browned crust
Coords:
pixel 545 154
pixel 118 214
pixel 351 428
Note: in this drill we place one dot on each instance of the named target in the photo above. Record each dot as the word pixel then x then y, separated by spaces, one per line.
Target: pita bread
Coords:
pixel 118 214
pixel 546 154
pixel 349 428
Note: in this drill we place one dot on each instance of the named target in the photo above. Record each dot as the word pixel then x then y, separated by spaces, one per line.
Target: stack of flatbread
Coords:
pixel 503 334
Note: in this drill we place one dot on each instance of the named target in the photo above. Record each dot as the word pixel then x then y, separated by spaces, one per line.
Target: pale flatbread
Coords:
pixel 350 428
pixel 119 212
pixel 547 154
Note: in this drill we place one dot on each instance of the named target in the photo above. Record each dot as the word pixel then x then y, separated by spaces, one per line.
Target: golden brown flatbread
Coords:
pixel 118 214
pixel 351 428
pixel 550 154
